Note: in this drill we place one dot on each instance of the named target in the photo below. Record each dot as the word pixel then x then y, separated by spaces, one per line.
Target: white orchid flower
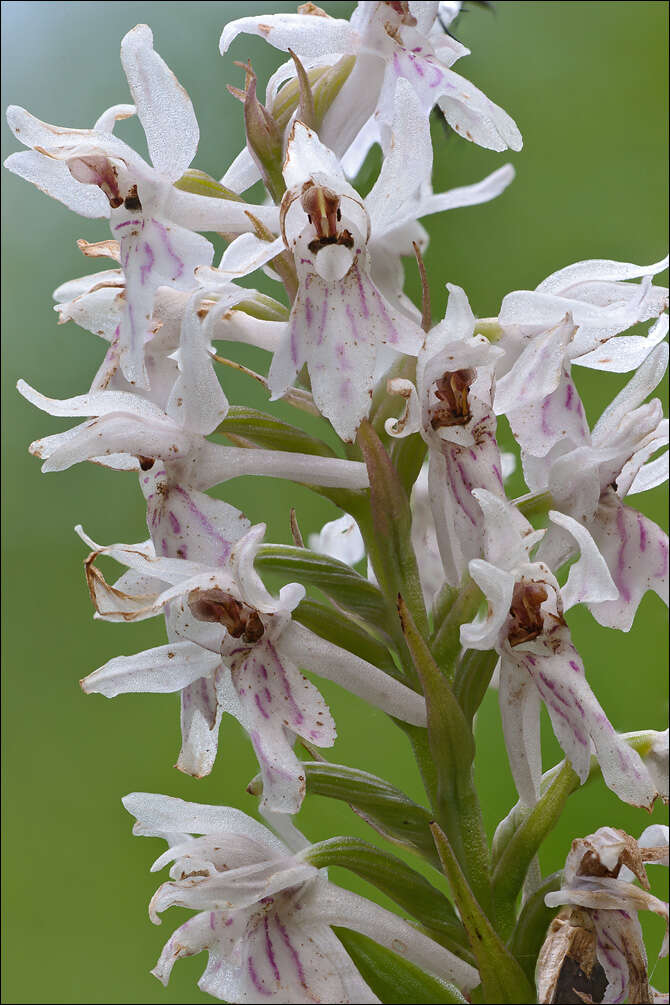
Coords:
pixel 98 175
pixel 265 912
pixel 538 661
pixel 590 480
pixel 340 319
pixel 126 428
pixel 451 408
pixel 575 316
pixel 243 646
pixel 391 42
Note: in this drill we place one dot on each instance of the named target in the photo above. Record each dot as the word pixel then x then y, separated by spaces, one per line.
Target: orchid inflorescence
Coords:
pixel 461 592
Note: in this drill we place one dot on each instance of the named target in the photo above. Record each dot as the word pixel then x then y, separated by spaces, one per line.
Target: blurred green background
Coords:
pixel 586 84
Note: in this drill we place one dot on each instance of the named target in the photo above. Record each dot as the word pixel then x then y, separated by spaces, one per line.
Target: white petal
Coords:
pixel 636 552
pixel 153 254
pixel 577 716
pixel 112 434
pixel 200 721
pixel 520 714
pixel 558 420
pixel 242 173
pixel 95 404
pixel 589 579
pixel 649 375
pixel 467 195
pixel 235 889
pixel 53 177
pixel 218 464
pixel 476 117
pixel 307 155
pixel 160 814
pixel 355 674
pixel 596 270
pixel 206 213
pixel 340 907
pixel 209 930
pixel 509 536
pixel 628 352
pixel 106 122
pixel 650 475
pixel 537 372
pixel 159 671
pixel 278 702
pixel 247 253
pixel 498 588
pixel 197 401
pixel 196 526
pixel 309 36
pixel 454 480
pixel 338 328
pixel 407 165
pixel 163 106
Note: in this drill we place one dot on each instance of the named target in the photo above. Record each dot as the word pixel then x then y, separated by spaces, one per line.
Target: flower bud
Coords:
pixel 264 137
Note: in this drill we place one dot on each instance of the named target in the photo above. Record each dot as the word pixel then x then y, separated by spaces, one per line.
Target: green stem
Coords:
pixel 513 865
pixel 446 643
pixel 503 980
pixel 531 927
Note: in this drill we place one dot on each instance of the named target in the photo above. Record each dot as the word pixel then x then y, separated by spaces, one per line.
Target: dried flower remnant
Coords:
pixel 598 884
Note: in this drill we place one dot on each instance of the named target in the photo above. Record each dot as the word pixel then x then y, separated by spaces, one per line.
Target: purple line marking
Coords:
pixel 621 558
pixel 292 950
pixel 206 524
pixel 365 310
pixel 145 270
pixel 128 223
pixel 324 314
pixel 170 250
pixel 299 717
pixel 257 700
pixel 293 342
pixel 269 949
pixel 262 990
pixel 568 396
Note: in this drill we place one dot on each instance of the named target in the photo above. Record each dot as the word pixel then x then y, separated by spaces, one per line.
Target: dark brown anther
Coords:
pixel 527 620
pixel 146 463
pixel 254 628
pixel 322 206
pixel 132 201
pixel 452 390
pixel 218 607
